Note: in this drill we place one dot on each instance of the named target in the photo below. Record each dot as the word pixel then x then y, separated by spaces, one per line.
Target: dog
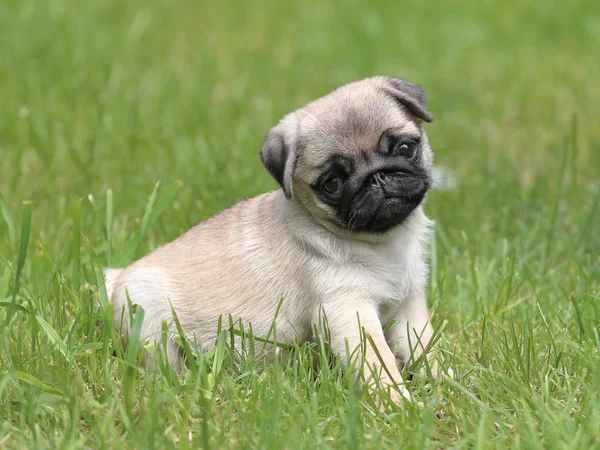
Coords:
pixel 344 238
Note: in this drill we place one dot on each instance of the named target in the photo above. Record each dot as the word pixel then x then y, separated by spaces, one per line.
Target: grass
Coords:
pixel 103 100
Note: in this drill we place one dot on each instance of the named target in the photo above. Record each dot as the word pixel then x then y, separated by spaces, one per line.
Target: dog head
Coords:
pixel 358 159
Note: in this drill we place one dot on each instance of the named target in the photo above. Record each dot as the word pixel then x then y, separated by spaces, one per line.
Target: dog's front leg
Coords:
pixel 412 331
pixel 360 327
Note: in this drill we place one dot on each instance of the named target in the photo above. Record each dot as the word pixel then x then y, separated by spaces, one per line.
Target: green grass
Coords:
pixel 100 100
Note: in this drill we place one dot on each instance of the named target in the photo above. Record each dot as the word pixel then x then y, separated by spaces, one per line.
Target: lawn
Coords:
pixel 123 124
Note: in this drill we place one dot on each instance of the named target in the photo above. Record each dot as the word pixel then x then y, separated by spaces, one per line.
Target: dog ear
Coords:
pixel 279 154
pixel 409 95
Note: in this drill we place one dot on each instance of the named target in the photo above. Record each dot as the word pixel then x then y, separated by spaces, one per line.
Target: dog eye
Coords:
pixel 332 185
pixel 405 149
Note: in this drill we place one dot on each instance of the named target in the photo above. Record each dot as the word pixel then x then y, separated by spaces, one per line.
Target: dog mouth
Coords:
pixel 378 208
pixel 390 214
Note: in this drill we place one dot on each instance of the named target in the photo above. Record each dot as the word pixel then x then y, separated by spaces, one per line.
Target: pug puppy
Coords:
pixel 343 240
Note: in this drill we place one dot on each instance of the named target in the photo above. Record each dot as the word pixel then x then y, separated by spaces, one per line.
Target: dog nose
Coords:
pixel 378 179
pixel 396 184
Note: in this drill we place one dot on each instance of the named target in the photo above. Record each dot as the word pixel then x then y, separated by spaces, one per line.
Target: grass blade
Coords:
pixel 109 225
pixel 152 213
pixel 25 233
pixel 12 233
pixel 33 381
pixel 5 304
pixel 133 347
pixel 57 341
pixel 76 247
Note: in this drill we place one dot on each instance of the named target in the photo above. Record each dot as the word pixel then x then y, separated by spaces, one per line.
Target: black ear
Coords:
pixel 409 95
pixel 279 155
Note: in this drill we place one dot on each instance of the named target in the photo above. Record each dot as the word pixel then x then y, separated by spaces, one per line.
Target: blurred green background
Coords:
pixel 113 94
pixel 98 95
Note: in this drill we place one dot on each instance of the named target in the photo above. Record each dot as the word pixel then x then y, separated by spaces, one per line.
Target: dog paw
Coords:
pixel 395 397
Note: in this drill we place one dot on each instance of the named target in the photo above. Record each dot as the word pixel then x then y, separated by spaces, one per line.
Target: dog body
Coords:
pixel 344 239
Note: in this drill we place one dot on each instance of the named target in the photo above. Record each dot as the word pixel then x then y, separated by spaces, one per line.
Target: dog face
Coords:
pixel 358 159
